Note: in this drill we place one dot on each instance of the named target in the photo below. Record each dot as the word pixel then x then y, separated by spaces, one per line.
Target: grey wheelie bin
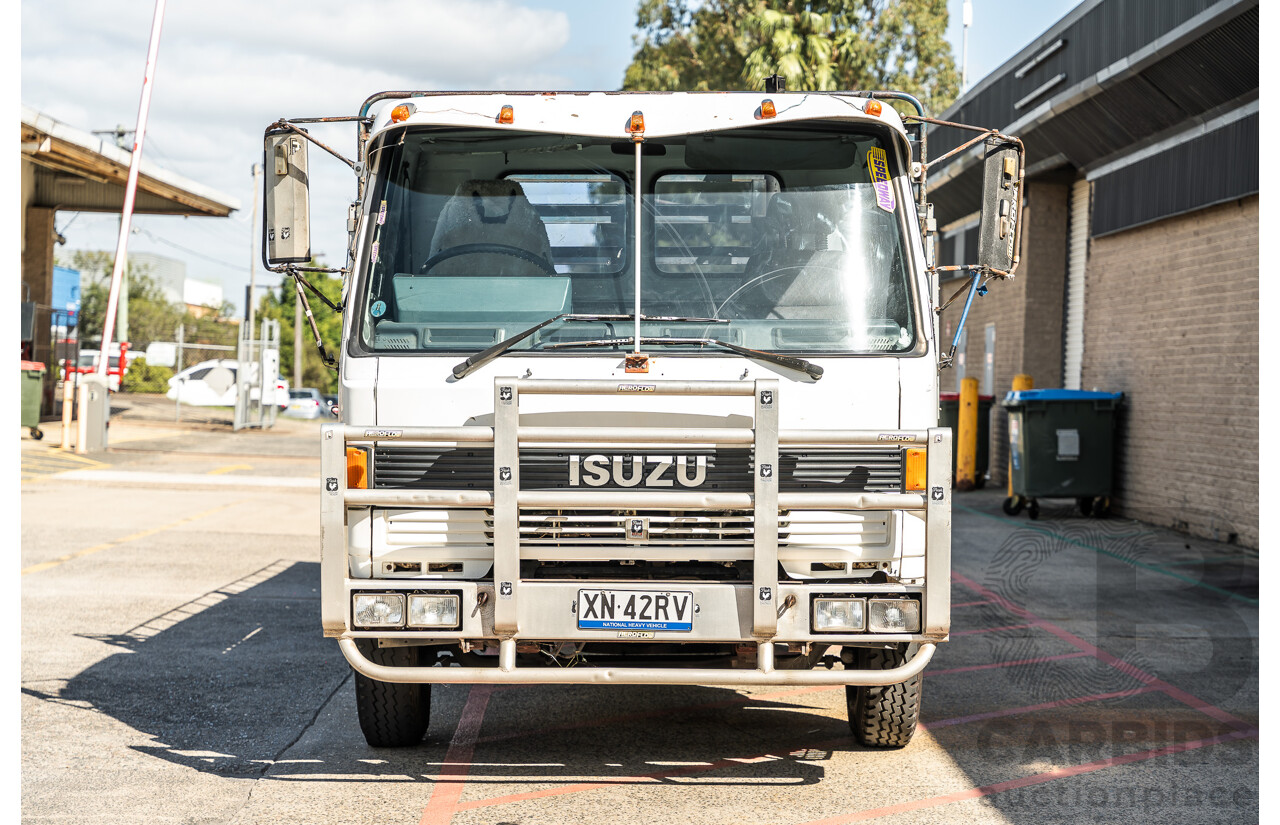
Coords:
pixel 1060 446
pixel 950 417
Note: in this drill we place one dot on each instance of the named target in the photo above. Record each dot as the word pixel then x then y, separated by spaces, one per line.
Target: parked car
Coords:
pixel 305 403
pixel 214 384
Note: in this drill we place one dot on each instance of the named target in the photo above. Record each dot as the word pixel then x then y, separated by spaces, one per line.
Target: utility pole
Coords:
pixel 253 259
pixel 122 314
pixel 967 19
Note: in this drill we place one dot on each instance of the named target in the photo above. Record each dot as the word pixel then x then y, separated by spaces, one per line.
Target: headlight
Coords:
pixel 433 610
pixel 832 615
pixel 894 616
pixel 378 610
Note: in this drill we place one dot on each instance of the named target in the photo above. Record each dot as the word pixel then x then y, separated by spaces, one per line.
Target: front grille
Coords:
pixel 834 469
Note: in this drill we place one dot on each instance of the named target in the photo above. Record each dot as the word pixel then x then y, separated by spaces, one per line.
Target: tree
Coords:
pixel 280 305
pixel 152 316
pixel 815 44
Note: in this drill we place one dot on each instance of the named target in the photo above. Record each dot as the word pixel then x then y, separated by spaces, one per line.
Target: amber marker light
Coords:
pixel 767 109
pixel 401 113
pixel 636 125
pixel 357 468
pixel 873 108
pixel 507 115
pixel 914 475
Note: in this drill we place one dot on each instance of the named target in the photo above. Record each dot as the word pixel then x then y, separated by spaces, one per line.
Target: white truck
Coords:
pixel 637 388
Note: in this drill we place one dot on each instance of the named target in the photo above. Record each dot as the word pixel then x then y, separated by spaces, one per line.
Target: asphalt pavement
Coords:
pixel 173 671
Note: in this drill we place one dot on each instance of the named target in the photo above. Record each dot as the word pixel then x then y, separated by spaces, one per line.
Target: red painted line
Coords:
pixel 1015 663
pixel 972 604
pixel 445 795
pixel 996 714
pixel 1034 779
pixel 990 629
pixel 1124 667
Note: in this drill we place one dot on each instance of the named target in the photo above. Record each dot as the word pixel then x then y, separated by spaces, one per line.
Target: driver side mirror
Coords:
pixel 1001 201
pixel 286 224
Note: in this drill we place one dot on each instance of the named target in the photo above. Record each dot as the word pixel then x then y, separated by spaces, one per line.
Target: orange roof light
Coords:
pixel 767 109
pixel 872 108
pixel 402 112
pixel 507 115
pixel 636 124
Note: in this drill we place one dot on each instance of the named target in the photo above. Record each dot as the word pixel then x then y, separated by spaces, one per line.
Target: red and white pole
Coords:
pixel 130 192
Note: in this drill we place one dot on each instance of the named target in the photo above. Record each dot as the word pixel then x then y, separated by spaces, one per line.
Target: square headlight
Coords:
pixel 433 610
pixel 378 610
pixel 838 615
pixel 894 616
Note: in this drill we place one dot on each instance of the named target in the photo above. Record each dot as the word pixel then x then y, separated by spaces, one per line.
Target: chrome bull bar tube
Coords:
pixel 507 673
pixel 506 435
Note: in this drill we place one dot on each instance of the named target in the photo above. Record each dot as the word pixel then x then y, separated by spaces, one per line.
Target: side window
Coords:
pixel 585 216
pixel 199 374
pixel 707 223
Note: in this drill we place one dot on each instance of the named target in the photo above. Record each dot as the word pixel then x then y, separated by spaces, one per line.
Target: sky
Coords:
pixel 228 69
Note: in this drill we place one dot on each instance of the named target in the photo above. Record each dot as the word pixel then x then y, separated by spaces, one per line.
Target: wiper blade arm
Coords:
pixel 486 355
pixel 789 361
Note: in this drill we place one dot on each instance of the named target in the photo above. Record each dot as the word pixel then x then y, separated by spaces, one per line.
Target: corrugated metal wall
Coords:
pixel 1220 166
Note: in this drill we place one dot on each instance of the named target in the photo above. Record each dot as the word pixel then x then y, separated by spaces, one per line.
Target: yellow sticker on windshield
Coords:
pixel 878 169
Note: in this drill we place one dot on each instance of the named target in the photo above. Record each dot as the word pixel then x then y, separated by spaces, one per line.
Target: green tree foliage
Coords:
pixel 280 305
pixel 143 377
pixel 815 44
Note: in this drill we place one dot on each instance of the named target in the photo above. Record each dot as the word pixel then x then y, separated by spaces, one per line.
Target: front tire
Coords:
pixel 884 716
pixel 392 715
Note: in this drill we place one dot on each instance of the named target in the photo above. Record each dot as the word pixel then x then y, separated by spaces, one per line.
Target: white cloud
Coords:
pixel 227 69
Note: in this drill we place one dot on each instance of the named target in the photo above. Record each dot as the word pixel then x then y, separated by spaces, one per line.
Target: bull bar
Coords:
pixel 506 436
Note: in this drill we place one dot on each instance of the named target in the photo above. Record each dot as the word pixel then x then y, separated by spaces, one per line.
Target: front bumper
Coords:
pixel 535 611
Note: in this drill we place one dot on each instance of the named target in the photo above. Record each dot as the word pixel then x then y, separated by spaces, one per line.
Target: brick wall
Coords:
pixel 1171 319
pixel 1027 312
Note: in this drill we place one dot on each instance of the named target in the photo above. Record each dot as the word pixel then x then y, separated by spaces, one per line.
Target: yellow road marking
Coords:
pixel 38 464
pixel 45 565
pixel 230 468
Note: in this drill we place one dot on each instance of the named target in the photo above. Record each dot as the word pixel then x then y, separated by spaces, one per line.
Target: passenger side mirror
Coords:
pixel 286 225
pixel 1001 188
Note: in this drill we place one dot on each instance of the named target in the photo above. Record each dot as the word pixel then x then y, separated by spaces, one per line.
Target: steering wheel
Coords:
pixel 487 249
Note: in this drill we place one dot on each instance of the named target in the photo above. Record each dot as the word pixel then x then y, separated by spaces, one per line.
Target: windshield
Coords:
pixel 793 235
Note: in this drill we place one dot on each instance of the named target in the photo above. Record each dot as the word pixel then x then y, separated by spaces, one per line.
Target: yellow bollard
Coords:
pixel 967 437
pixel 1021 381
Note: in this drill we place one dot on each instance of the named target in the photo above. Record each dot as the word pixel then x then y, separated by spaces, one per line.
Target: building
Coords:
pixel 1140 248
pixel 170 274
pixel 66 169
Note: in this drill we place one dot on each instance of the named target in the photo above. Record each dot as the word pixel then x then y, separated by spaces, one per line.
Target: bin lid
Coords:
pixel 955 396
pixel 32 365
pixel 1060 395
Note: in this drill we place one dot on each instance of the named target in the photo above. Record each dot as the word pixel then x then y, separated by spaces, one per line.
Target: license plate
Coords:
pixel 635 610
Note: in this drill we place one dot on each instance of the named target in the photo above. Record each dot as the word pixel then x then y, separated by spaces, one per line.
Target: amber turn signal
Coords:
pixel 357 468
pixel 913 476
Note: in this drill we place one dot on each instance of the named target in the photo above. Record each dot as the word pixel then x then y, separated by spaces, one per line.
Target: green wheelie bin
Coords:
pixel 950 417
pixel 1060 446
pixel 32 383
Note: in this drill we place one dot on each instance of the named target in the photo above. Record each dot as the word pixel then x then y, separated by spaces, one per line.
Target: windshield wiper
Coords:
pixel 790 362
pixel 486 355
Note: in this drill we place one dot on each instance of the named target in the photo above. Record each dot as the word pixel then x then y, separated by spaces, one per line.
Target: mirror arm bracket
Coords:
pixel 288 126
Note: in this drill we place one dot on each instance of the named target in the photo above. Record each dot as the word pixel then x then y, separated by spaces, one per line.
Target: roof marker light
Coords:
pixel 402 112
pixel 767 109
pixel 507 115
pixel 872 108
pixel 636 126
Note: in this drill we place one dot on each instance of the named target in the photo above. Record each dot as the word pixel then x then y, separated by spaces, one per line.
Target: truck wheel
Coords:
pixel 883 716
pixel 1013 505
pixel 392 715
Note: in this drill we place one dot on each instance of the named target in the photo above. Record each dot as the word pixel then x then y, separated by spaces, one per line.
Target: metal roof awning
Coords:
pixel 76 171
pixel 1098 85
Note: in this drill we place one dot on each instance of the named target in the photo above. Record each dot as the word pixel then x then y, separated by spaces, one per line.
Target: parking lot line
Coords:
pixel 443 801
pixel 1088 649
pixel 107 545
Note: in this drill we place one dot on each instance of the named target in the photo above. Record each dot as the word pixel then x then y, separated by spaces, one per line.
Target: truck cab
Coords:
pixel 636 389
